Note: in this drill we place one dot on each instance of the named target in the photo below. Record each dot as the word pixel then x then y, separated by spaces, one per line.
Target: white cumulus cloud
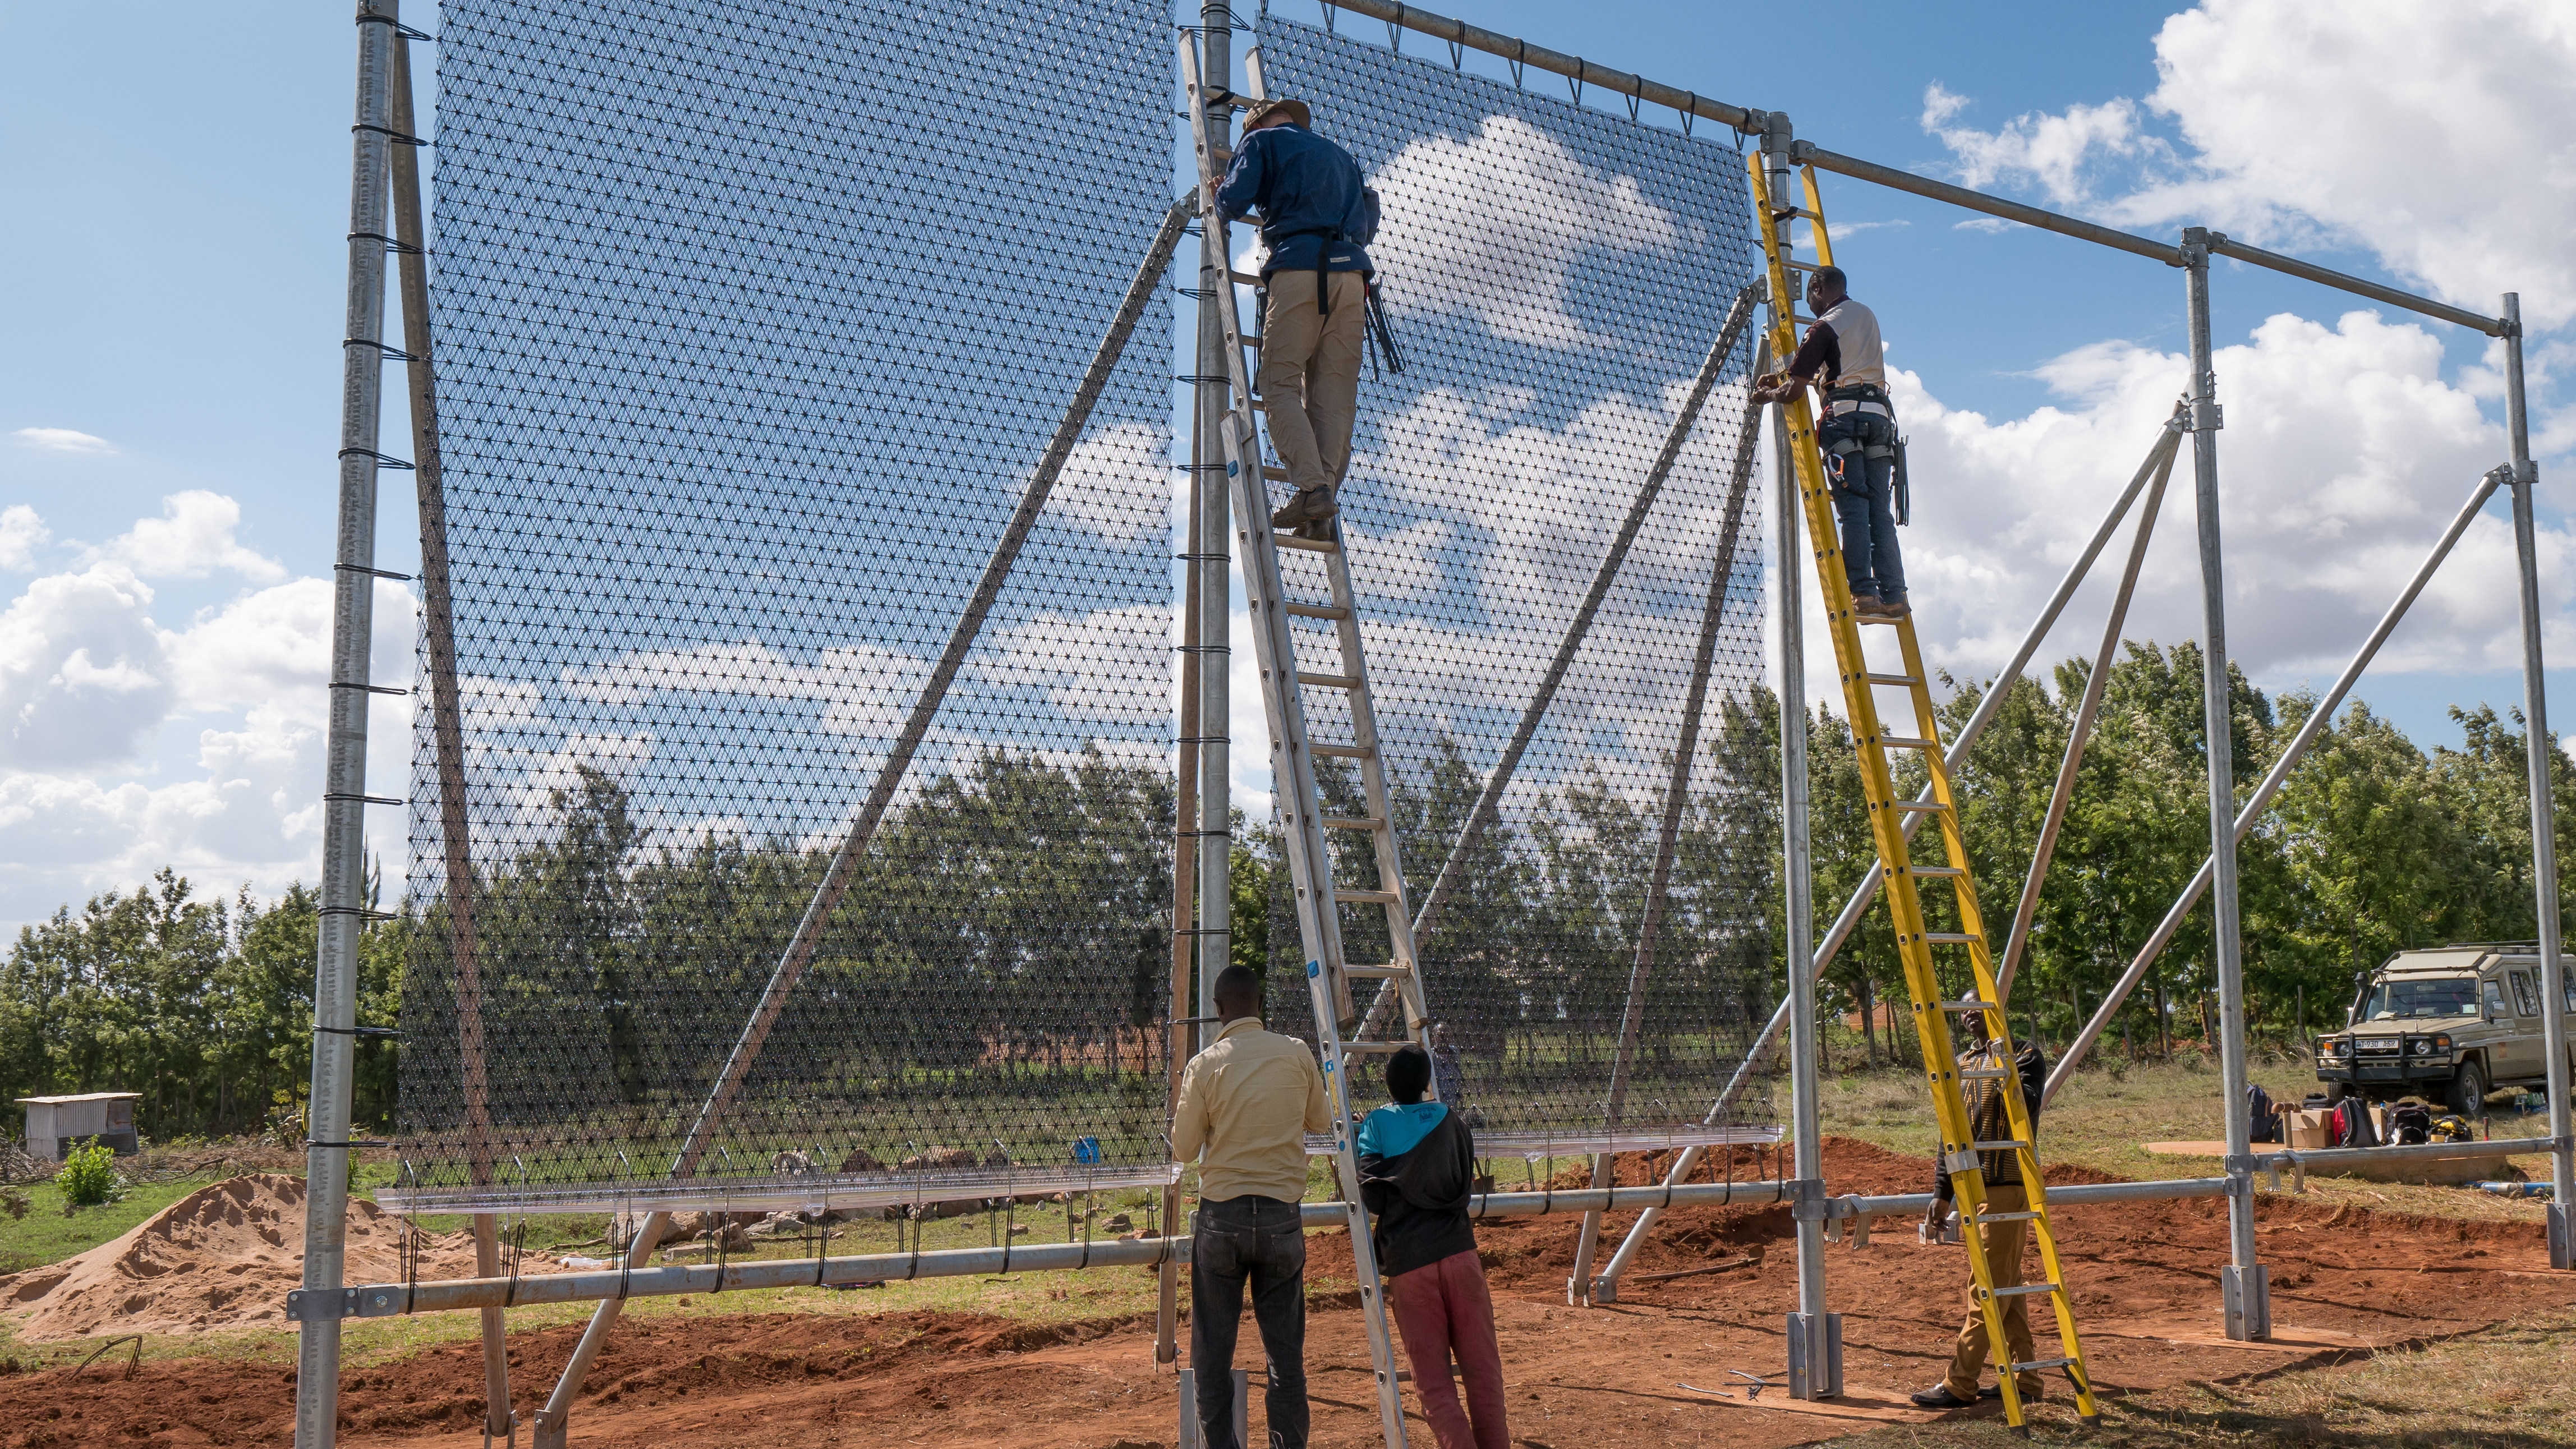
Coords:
pixel 83 676
pixel 21 534
pixel 1497 220
pixel 192 538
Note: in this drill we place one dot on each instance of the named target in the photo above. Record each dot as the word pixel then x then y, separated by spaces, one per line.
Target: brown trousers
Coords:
pixel 2001 1243
pixel 1310 374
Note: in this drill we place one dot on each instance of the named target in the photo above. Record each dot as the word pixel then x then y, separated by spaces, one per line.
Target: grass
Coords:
pixel 2107 1112
pixel 2507 1387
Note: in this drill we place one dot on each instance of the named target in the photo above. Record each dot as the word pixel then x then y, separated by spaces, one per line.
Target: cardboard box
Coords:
pixel 2311 1127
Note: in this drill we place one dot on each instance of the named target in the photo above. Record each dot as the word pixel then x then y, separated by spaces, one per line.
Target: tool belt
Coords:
pixel 1860 422
pixel 1374 329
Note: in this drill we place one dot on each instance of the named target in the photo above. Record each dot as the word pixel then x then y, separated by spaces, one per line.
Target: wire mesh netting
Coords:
pixel 753 320
pixel 1556 278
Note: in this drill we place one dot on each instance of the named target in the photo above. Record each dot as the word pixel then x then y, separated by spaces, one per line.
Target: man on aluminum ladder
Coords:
pixel 1864 459
pixel 1316 215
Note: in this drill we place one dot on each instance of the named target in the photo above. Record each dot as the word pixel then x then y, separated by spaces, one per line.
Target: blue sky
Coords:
pixel 179 191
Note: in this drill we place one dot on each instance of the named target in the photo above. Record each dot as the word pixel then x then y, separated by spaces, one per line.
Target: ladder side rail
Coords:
pixel 1390 861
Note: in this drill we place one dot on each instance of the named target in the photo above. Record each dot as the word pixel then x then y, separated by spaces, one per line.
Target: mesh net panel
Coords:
pixel 752 322
pixel 1555 277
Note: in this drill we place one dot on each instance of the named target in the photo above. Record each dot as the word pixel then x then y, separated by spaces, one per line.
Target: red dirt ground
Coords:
pixel 2343 1280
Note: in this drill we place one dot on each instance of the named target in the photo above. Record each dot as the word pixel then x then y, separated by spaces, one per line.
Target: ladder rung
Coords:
pixel 1997 1146
pixel 1343 752
pixel 1951 938
pixel 1318 611
pixel 1310 545
pixel 1243 279
pixel 1783 213
pixel 1374 1048
pixel 1919 807
pixel 2014 1368
pixel 1377 973
pixel 2007 1217
pixel 1908 742
pixel 1365 898
pixel 1801 266
pixel 1275 475
pixel 1913 869
pixel 1878 619
pixel 1328 681
pixel 2025 1290
pixel 1250 339
pixel 1802 321
pixel 1971 1004
pixel 1902 679
pixel 1981 1074
pixel 1352 822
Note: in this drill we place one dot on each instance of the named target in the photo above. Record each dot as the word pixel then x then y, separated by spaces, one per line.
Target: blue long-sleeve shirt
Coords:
pixel 1306 189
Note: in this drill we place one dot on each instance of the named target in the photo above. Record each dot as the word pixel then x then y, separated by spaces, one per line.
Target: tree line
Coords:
pixel 1008 935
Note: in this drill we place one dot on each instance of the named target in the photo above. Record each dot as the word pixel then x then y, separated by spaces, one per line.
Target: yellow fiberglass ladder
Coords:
pixel 1305 816
pixel 1899 874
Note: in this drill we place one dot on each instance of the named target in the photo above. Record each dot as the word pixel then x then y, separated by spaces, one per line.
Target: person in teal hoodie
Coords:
pixel 1417 1171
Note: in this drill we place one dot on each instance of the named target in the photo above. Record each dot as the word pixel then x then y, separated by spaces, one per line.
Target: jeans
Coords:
pixel 1865 502
pixel 1310 373
pixel 2000 1243
pixel 1256 1239
pixel 1442 1309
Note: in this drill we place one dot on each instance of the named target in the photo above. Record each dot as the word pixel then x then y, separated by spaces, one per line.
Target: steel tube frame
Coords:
pixel 2248 1312
pixel 2544 833
pixel 344 806
pixel 1489 800
pixel 2167 442
pixel 2316 724
pixel 2412 1152
pixel 447 725
pixel 1214 547
pixel 2062 792
pixel 1676 797
pixel 553 1418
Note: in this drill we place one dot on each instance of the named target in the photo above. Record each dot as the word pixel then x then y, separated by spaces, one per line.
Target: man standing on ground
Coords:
pixel 1417 1169
pixel 1316 214
pixel 1249 1101
pixel 1856 431
pixel 1989 1120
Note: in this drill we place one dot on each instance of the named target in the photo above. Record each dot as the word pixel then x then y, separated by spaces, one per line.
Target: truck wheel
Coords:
pixel 2336 1092
pixel 2468 1095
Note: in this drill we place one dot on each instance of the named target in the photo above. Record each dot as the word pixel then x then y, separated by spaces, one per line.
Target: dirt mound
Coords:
pixel 222 1257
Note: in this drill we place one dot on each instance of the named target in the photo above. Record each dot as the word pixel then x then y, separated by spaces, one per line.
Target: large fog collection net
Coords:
pixel 1556 277
pixel 752 320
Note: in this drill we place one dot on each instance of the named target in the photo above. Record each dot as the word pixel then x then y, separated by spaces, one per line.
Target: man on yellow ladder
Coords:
pixel 2000 1242
pixel 1856 431
pixel 1317 212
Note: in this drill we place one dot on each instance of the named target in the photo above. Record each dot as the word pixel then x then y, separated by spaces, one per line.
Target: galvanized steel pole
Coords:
pixel 1214 546
pixel 2248 1310
pixel 2544 815
pixel 344 790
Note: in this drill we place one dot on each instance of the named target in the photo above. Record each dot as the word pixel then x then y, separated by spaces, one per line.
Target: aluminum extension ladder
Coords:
pixel 1899 874
pixel 1304 822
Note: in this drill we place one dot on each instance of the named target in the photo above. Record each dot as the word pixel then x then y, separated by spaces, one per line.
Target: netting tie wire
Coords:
pixel 1201 649
pixel 1010 1202
pixel 392 244
pixel 405 31
pixel 399 138
pixel 518 1235
pixel 1517 62
pixel 383 460
pixel 1395 30
pixel 626 1214
pixel 354 568
pixel 391 353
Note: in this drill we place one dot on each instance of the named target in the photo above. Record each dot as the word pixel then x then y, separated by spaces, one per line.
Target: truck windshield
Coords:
pixel 2414 996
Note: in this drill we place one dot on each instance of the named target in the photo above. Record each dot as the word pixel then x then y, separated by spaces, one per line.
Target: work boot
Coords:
pixel 1311 505
pixel 1866 606
pixel 1893 609
pixel 1939 1397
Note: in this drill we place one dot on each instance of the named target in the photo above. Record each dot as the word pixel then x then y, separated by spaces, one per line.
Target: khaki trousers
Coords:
pixel 1310 373
pixel 2001 1243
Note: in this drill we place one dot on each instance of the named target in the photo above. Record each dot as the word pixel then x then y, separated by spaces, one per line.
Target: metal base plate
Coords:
pixel 2249 1313
pixel 1811 1341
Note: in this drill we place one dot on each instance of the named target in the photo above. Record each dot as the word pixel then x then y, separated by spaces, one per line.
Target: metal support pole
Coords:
pixel 2157 457
pixel 2248 1310
pixel 1182 1040
pixel 446 717
pixel 344 826
pixel 2255 804
pixel 1214 547
pixel 553 1419
pixel 2544 814
pixel 2062 793
pixel 1579 1289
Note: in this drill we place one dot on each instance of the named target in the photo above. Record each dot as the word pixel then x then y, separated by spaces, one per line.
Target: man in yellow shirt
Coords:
pixel 1249 1101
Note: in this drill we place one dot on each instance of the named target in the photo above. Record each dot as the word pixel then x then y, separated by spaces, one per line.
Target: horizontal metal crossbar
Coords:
pixel 817 1191
pixel 1534 1146
pixel 2025 1290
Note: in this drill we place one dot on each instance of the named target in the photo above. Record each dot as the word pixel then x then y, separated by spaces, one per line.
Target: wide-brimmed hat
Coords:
pixel 1283 107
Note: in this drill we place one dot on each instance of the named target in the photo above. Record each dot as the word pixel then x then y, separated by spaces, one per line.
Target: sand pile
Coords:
pixel 222 1257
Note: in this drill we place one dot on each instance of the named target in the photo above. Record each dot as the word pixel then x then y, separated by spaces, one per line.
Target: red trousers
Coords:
pixel 1443 1309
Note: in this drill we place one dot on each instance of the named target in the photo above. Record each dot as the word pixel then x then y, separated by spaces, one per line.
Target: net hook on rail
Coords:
pixel 518 1235
pixel 1517 62
pixel 1395 31
pixel 1010 1202
pixel 634 1228
pixel 912 1270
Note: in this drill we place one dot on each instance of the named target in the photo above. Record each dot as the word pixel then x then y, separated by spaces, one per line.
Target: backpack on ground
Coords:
pixel 2410 1122
pixel 2264 1117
